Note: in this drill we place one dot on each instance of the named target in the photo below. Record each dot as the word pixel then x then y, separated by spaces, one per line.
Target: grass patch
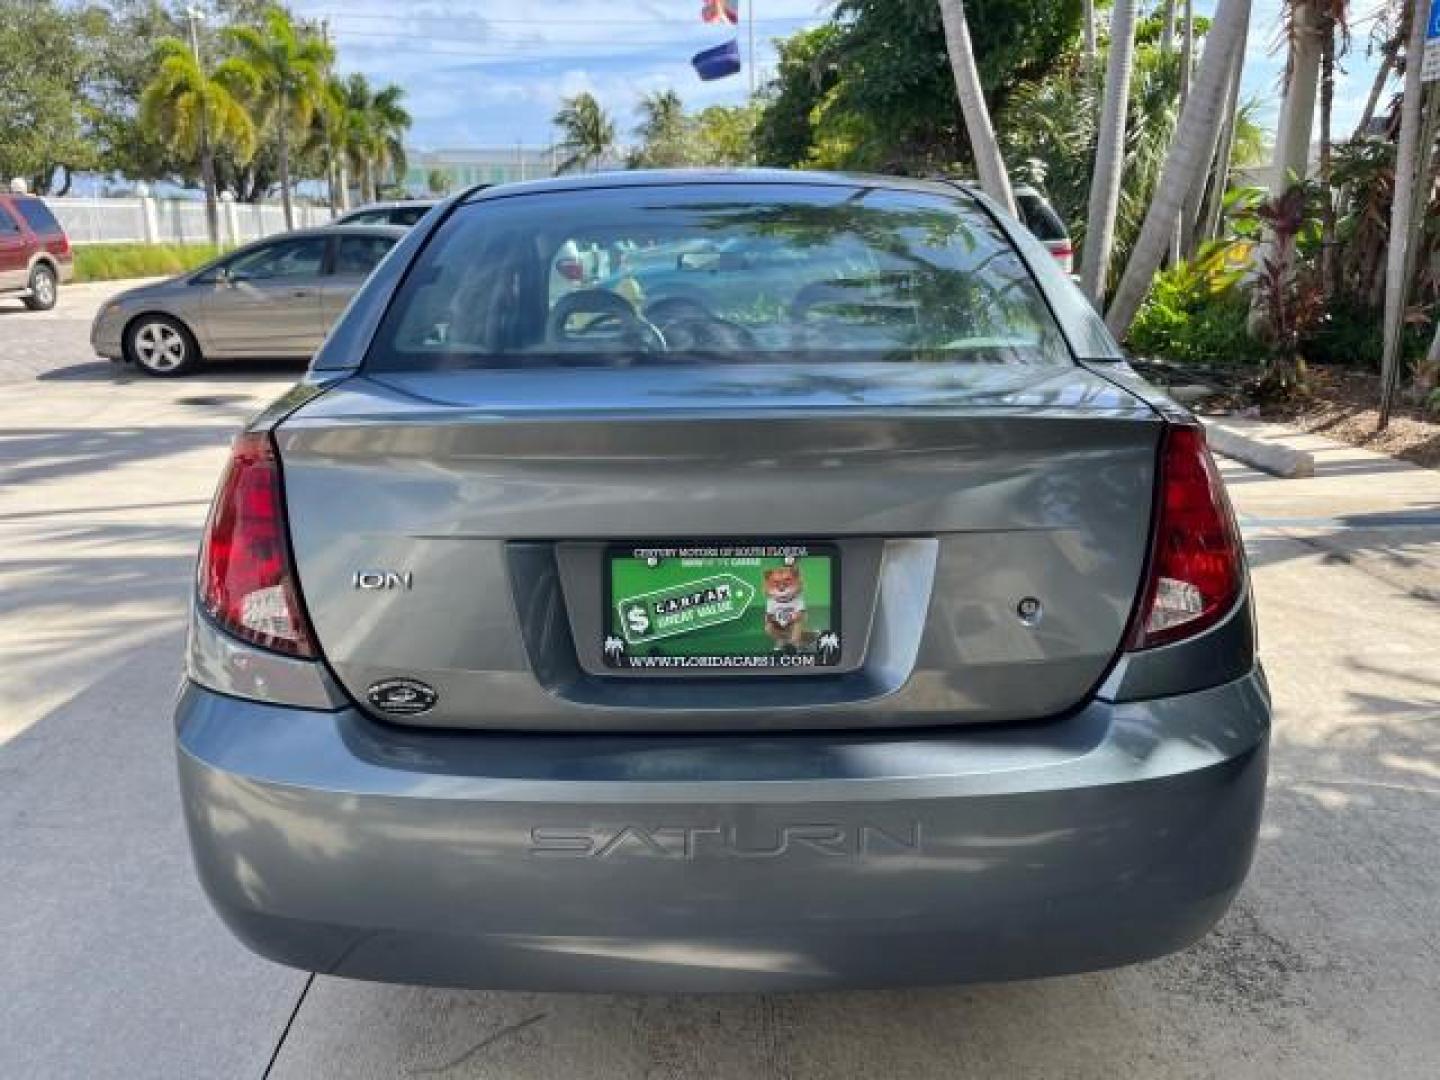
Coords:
pixel 112 262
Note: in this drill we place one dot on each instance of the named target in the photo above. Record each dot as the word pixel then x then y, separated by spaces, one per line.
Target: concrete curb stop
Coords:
pixel 1274 458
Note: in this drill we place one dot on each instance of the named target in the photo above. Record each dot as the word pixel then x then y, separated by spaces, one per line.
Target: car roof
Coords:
pixel 670 177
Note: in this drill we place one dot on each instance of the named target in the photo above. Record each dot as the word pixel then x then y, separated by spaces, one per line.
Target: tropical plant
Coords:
pixel 194 112
pixel 1196 310
pixel 1289 298
pixel 282 69
pixel 587 134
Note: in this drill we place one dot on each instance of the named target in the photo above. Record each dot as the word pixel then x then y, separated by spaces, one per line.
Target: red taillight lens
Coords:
pixel 246 582
pixel 570 269
pixel 1196 567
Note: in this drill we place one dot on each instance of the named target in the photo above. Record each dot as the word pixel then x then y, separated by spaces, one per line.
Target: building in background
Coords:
pixel 481 165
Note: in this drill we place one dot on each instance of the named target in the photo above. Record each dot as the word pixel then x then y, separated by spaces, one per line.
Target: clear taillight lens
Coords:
pixel 1196 560
pixel 245 578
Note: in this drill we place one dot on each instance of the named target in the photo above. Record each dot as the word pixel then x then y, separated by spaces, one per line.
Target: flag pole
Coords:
pixel 750 25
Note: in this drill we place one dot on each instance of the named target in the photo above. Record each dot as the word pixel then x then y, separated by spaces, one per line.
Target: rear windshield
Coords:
pixel 718 273
pixel 37 215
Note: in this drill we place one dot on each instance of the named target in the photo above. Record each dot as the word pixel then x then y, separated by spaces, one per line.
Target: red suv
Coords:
pixel 34 252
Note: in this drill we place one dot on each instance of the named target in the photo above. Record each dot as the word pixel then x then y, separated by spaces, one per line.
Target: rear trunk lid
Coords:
pixel 449 530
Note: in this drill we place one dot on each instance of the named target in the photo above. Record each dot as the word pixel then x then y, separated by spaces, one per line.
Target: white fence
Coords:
pixel 149 220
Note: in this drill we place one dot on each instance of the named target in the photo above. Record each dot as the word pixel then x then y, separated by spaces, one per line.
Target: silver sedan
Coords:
pixel 274 298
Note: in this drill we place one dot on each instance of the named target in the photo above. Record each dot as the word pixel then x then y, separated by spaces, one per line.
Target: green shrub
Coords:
pixel 110 262
pixel 1196 311
pixel 1354 335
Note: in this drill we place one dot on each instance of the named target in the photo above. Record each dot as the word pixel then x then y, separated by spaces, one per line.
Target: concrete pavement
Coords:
pixel 112 965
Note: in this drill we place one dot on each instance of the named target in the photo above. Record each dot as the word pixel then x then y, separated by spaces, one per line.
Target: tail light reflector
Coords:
pixel 246 580
pixel 1196 559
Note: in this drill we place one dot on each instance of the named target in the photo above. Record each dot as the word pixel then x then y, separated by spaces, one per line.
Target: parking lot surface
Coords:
pixel 111 964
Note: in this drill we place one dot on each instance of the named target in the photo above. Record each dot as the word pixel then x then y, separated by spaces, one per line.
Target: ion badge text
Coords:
pixel 372 580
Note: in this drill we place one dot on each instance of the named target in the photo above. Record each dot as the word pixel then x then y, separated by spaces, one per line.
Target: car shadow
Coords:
pixel 111 371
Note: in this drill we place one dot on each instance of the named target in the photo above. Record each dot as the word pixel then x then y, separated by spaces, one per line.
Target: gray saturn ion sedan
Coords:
pixel 273 298
pixel 878 626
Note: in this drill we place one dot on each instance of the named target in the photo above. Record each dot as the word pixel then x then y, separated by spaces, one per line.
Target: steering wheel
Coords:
pixel 615 320
pixel 688 324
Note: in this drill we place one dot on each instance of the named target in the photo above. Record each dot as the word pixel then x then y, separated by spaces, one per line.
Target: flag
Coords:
pixel 718 62
pixel 715 11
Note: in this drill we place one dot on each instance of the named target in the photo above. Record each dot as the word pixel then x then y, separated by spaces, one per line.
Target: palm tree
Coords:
pixel 376 123
pixel 1194 137
pixel 587 134
pixel 1334 40
pixel 1109 153
pixel 194 113
pixel 983 146
pixel 663 131
pixel 285 67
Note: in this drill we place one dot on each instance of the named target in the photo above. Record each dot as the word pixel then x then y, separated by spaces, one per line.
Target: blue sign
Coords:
pixel 1433 31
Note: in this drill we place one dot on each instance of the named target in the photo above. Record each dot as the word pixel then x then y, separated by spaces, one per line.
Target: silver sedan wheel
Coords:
pixel 160 347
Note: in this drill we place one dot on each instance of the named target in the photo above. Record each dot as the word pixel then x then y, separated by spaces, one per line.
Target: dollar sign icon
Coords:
pixel 637 620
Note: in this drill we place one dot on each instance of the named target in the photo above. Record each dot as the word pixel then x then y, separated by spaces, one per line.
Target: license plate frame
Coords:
pixel 728 607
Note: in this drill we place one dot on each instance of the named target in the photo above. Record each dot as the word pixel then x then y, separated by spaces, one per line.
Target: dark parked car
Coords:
pixel 35 256
pixel 884 628
pixel 404 213
pixel 1042 220
pixel 276 297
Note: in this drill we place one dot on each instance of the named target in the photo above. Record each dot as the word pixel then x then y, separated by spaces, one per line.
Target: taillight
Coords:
pixel 246 581
pixel 1196 561
pixel 571 270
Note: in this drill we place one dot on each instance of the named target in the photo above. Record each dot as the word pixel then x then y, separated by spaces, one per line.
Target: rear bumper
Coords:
pixel 575 862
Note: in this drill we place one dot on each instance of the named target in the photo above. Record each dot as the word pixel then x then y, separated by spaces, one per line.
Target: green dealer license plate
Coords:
pixel 727 606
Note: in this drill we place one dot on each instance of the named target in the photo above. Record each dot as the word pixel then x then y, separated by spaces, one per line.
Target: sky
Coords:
pixel 492 72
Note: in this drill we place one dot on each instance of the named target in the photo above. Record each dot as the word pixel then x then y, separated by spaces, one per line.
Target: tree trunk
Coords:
pixel 1297 112
pixel 1187 57
pixel 1193 137
pixel 1167 27
pixel 283 119
pixel 1400 212
pixel 1329 262
pixel 1382 76
pixel 1109 155
pixel 1209 226
pixel 344 172
pixel 983 147
pixel 369 187
pixel 1090 54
